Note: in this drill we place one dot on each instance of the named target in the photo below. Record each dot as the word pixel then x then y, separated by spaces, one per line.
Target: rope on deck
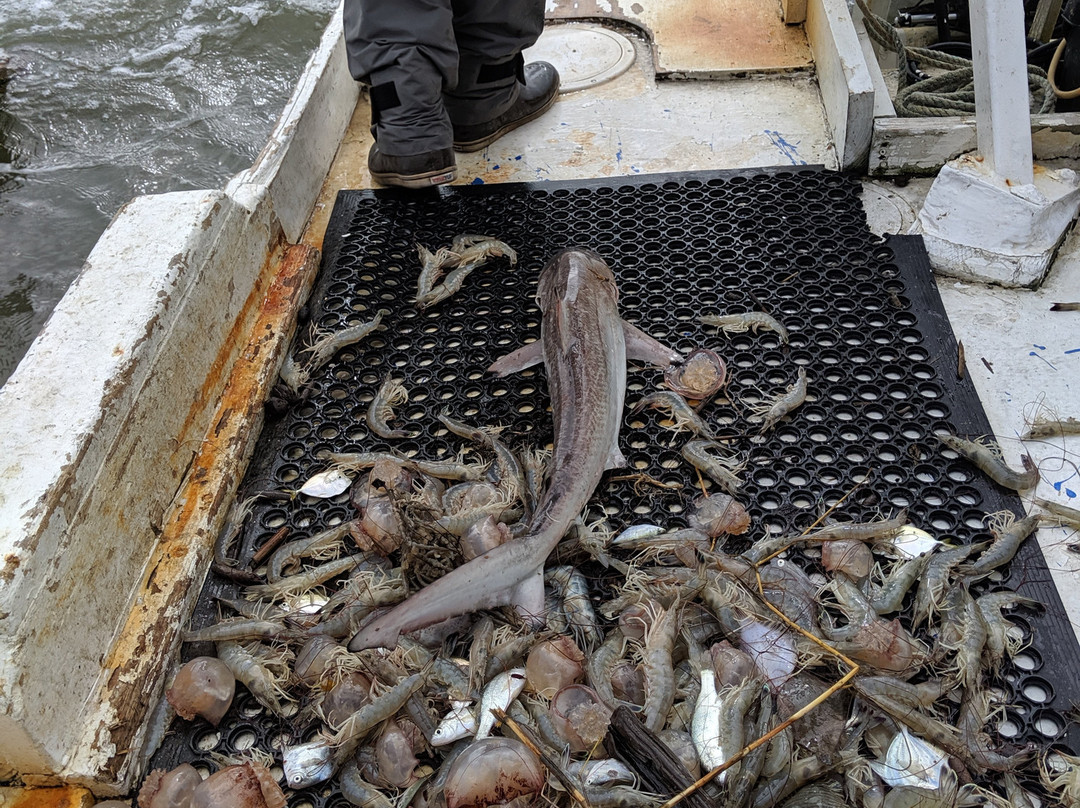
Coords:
pixel 946 94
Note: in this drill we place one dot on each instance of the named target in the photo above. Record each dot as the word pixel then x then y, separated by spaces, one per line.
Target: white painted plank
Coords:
pixel 999 58
pixel 924 145
pixel 847 90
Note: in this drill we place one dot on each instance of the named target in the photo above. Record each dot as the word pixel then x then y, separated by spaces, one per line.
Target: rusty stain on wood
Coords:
pixel 706 37
pixel 180 562
pixel 65 797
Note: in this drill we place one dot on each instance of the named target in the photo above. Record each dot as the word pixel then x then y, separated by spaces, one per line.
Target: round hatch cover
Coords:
pixel 584 55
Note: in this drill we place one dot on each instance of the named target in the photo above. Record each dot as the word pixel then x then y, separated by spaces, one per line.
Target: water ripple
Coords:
pixel 104 100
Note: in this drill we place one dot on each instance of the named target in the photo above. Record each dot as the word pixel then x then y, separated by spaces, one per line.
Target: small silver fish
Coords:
pixel 636 533
pixel 602 772
pixel 459 723
pixel 307 764
pixel 499 693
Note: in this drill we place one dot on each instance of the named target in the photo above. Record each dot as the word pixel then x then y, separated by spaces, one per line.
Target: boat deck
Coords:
pixel 159 409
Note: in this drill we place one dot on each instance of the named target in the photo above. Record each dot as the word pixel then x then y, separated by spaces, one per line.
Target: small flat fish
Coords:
pixel 911 542
pixel 911 761
pixel 326 484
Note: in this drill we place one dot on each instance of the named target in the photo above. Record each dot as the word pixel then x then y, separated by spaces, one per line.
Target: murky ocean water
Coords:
pixel 103 100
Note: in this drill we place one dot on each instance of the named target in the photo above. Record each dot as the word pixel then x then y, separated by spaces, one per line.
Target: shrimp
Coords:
pixel 253 674
pixel 861 531
pixel 358 791
pixel 293 374
pixel 999 640
pixel 1059 513
pixel 619 797
pixel 707 456
pixel 1008 532
pixel 305 581
pixel 443 469
pixel 474 249
pixel 890 595
pixel 740 323
pixel 509 474
pixel 243 628
pixel 323 350
pixel 457 523
pixel 734 705
pixel 936 578
pixel 1060 775
pixel 923 695
pixel 773 410
pixel 466 253
pixel 507 652
pixel 432 265
pixel 296 374
pixel 450 469
pixel 1051 428
pixel 576 604
pixel 800 772
pixel 682 414
pixel 540 712
pixel 535 465
pixel 600 663
pixel 379 709
pixel 286 559
pixel 449 287
pixel 657 665
pixel 380 410
pixel 972 630
pixel 987 458
pixel 365 594
pixel 480 650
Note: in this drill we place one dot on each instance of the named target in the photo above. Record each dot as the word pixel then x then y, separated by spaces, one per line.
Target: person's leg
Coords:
pixel 495 90
pixel 405 51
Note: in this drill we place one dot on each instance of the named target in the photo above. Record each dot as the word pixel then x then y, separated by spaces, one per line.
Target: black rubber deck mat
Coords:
pixel 864 317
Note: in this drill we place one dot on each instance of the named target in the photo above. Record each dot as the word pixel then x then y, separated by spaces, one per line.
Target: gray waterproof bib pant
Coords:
pixel 435 63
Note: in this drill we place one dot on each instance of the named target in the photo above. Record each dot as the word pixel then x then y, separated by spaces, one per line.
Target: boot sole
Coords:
pixel 428 179
pixel 475 145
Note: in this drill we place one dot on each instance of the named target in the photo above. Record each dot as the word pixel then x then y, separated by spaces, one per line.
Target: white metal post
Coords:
pixel 1002 116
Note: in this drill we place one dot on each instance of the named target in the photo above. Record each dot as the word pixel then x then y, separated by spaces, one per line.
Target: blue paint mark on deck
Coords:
pixel 1060 485
pixel 1040 347
pixel 477 181
pixel 518 157
pixel 1073 350
pixel 789 150
pixel 1038 356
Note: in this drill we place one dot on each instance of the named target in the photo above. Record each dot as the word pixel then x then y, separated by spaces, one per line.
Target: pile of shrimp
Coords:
pixel 779 666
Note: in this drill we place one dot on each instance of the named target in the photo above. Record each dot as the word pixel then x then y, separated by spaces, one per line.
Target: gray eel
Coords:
pixel 584 345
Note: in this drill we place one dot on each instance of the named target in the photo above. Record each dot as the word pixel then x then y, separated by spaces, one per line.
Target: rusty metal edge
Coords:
pixel 143 652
